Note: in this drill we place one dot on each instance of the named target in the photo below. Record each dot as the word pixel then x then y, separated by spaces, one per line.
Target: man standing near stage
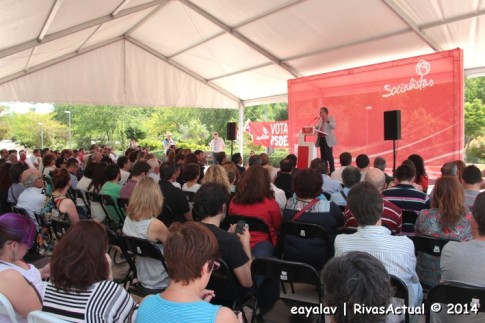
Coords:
pixel 326 137
pixel 216 145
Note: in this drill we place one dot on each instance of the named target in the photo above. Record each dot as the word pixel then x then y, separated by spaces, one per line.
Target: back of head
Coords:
pixel 405 172
pixel 210 199
pixel 236 158
pixel 188 248
pixel 376 177
pixel 472 175
pixel 356 278
pixel 307 183
pixel 293 158
pixel 191 171
pixel 72 162
pixel 139 168
pixel 254 186
pixel 221 157
pixel 112 172
pixel 365 203
pixel 122 161
pixel 16 227
pixel 449 169
pixel 76 265
pixel 286 165
pixel 350 176
pixel 146 200
pixel 478 211
pixel 154 164
pixel 418 163
pixel 264 159
pixel 345 158
pixel 216 174
pixel 449 199
pixel 232 172
pixel 16 171
pixel 60 178
pixel 362 161
pixel 319 166
pixel 255 160
pixel 167 169
pixel 29 177
pixel 380 163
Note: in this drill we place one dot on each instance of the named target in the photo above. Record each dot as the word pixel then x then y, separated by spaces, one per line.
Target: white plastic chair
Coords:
pixel 43 317
pixel 7 309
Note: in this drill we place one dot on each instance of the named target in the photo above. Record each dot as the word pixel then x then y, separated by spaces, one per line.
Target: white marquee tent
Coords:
pixel 214 53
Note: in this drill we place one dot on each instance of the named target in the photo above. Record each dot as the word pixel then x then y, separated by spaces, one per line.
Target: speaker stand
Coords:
pixel 394 158
pixel 232 142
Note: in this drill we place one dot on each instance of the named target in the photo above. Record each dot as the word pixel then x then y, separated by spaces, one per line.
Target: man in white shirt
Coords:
pixel 345 160
pixel 32 199
pixel 216 145
pixel 395 252
pixel 154 169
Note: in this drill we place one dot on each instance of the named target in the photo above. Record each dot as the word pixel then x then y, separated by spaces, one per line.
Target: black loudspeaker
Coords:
pixel 392 125
pixel 231 131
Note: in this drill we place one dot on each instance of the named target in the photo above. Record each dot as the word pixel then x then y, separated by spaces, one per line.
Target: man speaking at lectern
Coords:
pixel 326 140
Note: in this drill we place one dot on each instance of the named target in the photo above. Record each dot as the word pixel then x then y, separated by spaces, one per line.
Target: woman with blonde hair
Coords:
pixel 145 205
pixel 217 174
pixel 447 218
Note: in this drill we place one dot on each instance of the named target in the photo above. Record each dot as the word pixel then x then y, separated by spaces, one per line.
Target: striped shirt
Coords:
pixel 103 301
pixel 395 252
pixel 391 218
pixel 406 197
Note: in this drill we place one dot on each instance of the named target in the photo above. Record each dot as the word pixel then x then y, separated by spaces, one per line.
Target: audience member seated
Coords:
pixel 284 178
pixel 191 173
pixel 421 178
pixel 363 163
pixel 237 160
pixel 350 177
pixel 154 169
pixel 72 166
pixel 255 160
pixel 356 278
pixel 391 216
pixel 140 171
pixel 48 164
pixel 265 163
pixel 5 182
pixel 472 182
pixel 233 175
pixel 217 174
pixel 221 158
pixel 60 163
pixel 254 197
pixel 447 218
pixel 201 161
pixel 112 187
pixel 32 199
pixel 395 252
pixel 448 169
pixel 141 222
pixel 463 262
pixel 210 203
pixel 80 287
pixel 176 206
pixel 308 191
pixel 403 194
pixel 345 160
pixel 380 163
pixel 98 180
pixel 20 282
pixel 460 167
pixel 191 253
pixel 16 188
pixel 58 206
pixel 125 166
pixel 329 185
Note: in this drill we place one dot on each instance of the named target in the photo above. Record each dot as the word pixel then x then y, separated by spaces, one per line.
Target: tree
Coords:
pixel 475 89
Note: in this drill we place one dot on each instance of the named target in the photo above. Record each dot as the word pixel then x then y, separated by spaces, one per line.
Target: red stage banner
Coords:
pixel 428 90
pixel 269 134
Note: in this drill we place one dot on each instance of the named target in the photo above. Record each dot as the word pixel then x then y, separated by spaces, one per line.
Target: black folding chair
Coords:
pixel 112 210
pixel 114 240
pixel 400 290
pixel 136 247
pixel 431 246
pixel 20 210
pixel 228 291
pixel 295 234
pixel 286 272
pixel 409 218
pixel 123 204
pixel 457 297
pixel 346 230
pixel 59 227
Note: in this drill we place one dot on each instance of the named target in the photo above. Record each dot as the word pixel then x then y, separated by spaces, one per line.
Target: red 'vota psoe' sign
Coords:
pixel 427 89
pixel 269 134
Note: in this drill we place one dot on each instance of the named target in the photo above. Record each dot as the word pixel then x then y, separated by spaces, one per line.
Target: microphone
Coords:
pixel 316 118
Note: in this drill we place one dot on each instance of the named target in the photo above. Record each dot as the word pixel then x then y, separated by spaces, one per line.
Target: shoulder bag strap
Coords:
pixel 343 195
pixel 302 211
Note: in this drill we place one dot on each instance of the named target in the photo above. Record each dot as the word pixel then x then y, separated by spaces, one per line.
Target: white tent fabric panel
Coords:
pixel 214 53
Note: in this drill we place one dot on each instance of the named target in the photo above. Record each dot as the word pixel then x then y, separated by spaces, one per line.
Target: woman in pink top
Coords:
pixel 254 197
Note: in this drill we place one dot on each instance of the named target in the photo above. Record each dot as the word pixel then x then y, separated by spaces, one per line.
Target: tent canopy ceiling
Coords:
pixel 217 53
